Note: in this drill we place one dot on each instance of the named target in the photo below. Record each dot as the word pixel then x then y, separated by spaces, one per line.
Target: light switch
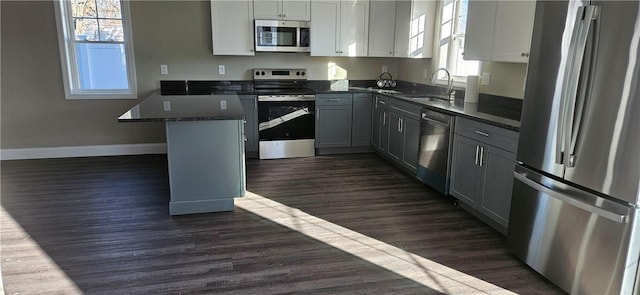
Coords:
pixel 384 69
pixel 221 69
pixel 223 104
pixel 166 105
pixel 164 70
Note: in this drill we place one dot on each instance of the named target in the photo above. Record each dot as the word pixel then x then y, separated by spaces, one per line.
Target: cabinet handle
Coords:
pixel 317 114
pixel 383 102
pixel 333 99
pixel 477 150
pixel 481 155
pixel 376 104
pixel 525 54
pixel 384 119
pixel 482 133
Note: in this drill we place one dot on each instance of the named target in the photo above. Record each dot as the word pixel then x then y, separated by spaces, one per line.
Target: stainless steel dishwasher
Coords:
pixel 436 134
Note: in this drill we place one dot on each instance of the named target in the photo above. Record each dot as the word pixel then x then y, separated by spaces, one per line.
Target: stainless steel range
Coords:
pixel 286 113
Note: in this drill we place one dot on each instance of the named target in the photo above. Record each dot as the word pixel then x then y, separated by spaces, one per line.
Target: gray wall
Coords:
pixel 34 112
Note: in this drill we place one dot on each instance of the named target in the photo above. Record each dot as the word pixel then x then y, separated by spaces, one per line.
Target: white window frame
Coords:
pixel 66 43
pixel 458 80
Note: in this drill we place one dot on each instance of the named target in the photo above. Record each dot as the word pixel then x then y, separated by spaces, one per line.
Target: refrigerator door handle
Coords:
pixel 562 121
pixel 619 218
pixel 576 104
pixel 584 18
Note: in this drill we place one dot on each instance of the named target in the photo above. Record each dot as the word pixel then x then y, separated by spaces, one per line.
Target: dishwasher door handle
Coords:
pixel 435 121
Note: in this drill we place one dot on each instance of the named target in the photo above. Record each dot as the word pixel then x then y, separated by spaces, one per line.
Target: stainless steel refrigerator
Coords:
pixel 574 213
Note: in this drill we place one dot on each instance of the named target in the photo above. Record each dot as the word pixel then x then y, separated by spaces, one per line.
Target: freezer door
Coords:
pixel 554 26
pixel 604 149
pixel 583 243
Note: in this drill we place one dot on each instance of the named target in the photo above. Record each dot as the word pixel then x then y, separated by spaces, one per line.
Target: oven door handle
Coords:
pixel 279 120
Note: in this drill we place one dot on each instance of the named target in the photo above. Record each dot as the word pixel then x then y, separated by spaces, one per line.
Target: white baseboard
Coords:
pixel 83 151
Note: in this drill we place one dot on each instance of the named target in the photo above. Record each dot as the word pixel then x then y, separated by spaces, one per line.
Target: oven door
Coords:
pixel 286 126
pixel 286 118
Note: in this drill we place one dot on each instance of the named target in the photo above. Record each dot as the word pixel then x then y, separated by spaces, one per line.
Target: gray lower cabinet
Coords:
pixel 482 170
pixel 361 128
pixel 250 107
pixel 396 132
pixel 333 120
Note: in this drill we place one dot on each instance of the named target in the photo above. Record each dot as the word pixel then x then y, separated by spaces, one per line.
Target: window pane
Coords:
pixel 445 30
pixel 442 60
pixel 101 66
pixel 447 12
pixel 111 30
pixel 86 29
pixel 83 8
pixel 461 26
pixel 109 9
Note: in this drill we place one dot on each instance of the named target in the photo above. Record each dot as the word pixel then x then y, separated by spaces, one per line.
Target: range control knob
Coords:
pixel 263 73
pixel 257 73
pixel 303 73
pixel 297 73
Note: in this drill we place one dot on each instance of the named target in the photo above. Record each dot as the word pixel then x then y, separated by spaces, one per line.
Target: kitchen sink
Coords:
pixel 423 97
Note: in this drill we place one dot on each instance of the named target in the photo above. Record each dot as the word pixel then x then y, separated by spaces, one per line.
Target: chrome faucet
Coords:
pixel 449 80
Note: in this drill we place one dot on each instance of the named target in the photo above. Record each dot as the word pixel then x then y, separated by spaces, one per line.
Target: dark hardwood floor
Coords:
pixel 101 226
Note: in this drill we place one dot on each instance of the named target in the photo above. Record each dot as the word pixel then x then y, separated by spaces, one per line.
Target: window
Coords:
pixel 453 22
pixel 96 49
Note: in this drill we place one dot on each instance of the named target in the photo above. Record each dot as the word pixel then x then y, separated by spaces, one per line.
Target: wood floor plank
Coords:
pixel 100 225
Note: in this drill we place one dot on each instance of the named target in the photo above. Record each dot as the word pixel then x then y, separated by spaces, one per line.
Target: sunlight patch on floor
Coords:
pixel 419 269
pixel 15 259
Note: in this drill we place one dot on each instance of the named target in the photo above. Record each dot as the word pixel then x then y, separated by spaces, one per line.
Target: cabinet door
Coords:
pixel 232 27
pixel 403 23
pixel 382 21
pixel 324 31
pixel 376 123
pixel 296 10
pixel 466 175
pixel 267 9
pixel 396 137
pixel 478 43
pixel 498 169
pixel 512 33
pixel 411 146
pixel 361 129
pixel 333 126
pixel 251 123
pixel 354 28
pixel 385 129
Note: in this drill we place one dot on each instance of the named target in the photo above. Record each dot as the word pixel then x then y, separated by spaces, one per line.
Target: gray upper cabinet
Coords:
pixel 333 120
pixel 251 124
pixel 482 172
pixel 362 111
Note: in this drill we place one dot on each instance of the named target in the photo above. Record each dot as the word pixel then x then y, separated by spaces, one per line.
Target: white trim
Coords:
pixel 83 151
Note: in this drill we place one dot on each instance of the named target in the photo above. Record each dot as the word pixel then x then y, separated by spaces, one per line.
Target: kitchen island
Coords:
pixel 205 148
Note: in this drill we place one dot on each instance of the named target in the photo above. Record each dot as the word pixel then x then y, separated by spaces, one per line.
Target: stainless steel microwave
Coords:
pixel 282 36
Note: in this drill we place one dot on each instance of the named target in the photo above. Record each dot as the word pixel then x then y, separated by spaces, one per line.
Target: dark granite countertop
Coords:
pixel 487 110
pixel 185 108
pixel 496 110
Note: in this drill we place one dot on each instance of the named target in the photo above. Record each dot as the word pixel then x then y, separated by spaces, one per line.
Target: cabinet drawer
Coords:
pixel 406 109
pixel 488 134
pixel 333 99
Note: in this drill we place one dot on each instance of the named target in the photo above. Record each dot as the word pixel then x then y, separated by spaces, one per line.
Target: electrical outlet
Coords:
pixel 221 69
pixel 166 105
pixel 425 73
pixel 384 69
pixel 486 79
pixel 223 104
pixel 164 70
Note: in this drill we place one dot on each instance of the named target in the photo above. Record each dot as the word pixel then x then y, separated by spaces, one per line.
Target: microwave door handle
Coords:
pixel 576 103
